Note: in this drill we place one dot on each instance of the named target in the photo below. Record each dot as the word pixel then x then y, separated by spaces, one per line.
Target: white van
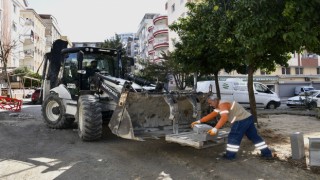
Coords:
pixel 236 90
pixel 300 89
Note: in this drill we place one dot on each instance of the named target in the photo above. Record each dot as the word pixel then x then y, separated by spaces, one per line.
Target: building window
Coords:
pixel 299 70
pixel 173 8
pixel 318 70
pixel 14 27
pixel 15 9
pixel 285 70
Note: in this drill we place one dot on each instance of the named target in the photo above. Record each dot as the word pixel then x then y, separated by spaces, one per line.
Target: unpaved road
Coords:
pixel 29 150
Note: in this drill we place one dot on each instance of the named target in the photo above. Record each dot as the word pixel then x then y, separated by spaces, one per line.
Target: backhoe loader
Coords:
pixel 74 91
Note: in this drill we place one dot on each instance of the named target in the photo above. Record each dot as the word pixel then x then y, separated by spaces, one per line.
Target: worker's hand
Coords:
pixel 195 122
pixel 213 131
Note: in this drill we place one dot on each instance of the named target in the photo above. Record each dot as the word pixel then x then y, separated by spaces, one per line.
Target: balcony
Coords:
pixel 150 47
pixel 160 41
pixel 160 20
pixel 150 28
pixel 28 53
pixel 158 59
pixel 150 40
pixel 28 37
pixel 29 22
pixel 160 31
pixel 151 52
pixel 161 45
pixel 150 35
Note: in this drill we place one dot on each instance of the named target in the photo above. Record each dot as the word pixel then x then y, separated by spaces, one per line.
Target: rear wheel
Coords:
pixel 89 118
pixel 54 113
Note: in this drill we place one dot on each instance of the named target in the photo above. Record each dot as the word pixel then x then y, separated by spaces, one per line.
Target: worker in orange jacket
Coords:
pixel 242 124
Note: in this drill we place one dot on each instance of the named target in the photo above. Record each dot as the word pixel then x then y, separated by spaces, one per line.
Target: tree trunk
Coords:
pixel 195 81
pixel 251 93
pixel 8 78
pixel 216 80
pixel 179 80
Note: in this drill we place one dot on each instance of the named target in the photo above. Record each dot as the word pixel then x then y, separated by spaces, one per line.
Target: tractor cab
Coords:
pixel 80 65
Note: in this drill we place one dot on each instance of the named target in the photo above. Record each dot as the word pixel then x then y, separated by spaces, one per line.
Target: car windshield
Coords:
pixel 105 63
pixel 309 89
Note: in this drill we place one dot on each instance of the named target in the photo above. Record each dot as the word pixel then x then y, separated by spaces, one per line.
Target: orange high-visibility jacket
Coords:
pixel 229 111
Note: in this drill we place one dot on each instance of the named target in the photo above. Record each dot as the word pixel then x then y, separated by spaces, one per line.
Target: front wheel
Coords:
pixel 312 105
pixel 89 118
pixel 271 105
pixel 54 113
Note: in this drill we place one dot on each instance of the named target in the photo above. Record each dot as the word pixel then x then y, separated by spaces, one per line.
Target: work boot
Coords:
pixel 228 157
pixel 267 157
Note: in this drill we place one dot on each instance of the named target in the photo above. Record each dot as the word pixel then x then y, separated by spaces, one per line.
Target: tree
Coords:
pixel 303 25
pixel 153 72
pixel 198 48
pixel 244 35
pixel 115 43
pixel 25 73
pixel 179 71
pixel 6 50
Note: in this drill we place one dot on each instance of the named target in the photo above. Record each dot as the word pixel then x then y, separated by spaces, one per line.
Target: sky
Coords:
pixel 97 20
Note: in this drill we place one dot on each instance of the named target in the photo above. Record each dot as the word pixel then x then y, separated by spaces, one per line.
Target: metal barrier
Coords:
pixel 10 104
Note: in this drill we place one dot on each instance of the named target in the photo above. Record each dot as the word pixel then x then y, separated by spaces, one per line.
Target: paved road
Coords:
pixel 30 150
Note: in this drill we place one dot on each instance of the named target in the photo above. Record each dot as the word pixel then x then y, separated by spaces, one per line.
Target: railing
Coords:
pixel 10 104
pixel 29 53
pixel 159 41
pixel 160 31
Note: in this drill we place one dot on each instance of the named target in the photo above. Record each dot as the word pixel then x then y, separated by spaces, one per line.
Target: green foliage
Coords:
pixel 24 73
pixel 115 43
pixel 303 29
pixel 199 49
pixel 153 72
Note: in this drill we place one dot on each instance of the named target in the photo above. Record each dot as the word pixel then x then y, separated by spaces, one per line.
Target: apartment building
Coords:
pixel 142 39
pixel 158 38
pixel 176 9
pixel 303 69
pixel 127 41
pixel 34 45
pixel 52 31
pixel 11 25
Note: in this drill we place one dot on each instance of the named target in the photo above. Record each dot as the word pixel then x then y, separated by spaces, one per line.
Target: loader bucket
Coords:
pixel 142 115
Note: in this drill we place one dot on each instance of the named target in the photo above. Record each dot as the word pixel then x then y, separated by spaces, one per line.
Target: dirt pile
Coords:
pixel 276 130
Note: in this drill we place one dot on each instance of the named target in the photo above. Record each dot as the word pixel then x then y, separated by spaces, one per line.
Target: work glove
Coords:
pixel 195 122
pixel 213 131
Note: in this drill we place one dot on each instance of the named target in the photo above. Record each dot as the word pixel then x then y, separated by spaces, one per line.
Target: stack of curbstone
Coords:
pixel 200 132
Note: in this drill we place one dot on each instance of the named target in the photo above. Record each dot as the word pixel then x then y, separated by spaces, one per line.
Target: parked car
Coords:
pixel 302 89
pixel 35 96
pixel 298 101
pixel 313 101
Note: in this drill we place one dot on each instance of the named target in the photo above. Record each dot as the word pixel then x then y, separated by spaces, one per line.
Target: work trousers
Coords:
pixel 238 130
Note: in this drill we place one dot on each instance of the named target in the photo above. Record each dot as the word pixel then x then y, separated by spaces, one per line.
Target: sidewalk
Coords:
pixel 26 101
